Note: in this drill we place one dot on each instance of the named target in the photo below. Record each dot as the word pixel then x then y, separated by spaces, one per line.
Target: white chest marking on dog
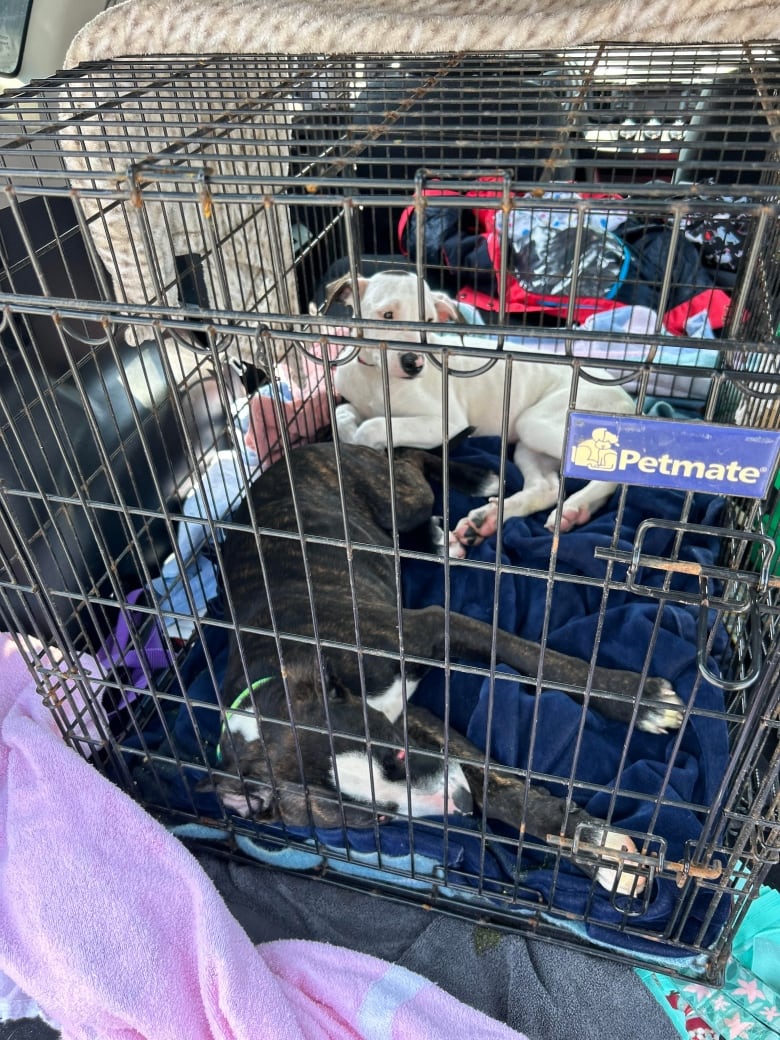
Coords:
pixel 243 724
pixel 239 718
pixel 354 781
pixel 391 702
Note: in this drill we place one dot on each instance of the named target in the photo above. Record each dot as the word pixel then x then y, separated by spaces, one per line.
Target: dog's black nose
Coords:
pixel 411 364
pixel 462 800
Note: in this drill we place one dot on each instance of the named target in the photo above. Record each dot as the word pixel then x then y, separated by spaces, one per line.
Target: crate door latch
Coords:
pixel 721 588
pixel 642 864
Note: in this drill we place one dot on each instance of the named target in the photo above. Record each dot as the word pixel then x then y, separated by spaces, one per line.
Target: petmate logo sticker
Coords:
pixel 665 453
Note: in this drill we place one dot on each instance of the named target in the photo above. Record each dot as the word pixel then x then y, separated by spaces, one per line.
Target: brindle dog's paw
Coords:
pixel 614 879
pixel 666 714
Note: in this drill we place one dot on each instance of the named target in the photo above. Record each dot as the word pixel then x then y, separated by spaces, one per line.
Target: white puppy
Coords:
pixel 538 402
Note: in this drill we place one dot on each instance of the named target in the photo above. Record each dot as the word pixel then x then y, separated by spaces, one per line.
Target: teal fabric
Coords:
pixel 747 1005
pixel 757 942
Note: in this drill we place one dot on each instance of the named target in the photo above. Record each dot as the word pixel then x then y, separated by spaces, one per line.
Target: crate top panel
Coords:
pixel 622 113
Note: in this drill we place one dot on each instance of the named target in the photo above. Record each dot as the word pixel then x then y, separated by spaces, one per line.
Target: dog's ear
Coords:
pixel 446 308
pixel 335 690
pixel 304 679
pixel 342 291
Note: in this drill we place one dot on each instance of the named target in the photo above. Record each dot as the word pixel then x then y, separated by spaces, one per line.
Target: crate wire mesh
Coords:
pixel 168 234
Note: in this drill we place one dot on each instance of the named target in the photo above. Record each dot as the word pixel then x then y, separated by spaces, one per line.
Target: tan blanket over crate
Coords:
pixel 416 26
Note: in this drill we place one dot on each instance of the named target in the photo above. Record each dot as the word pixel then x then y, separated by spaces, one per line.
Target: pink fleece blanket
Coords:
pixel 112 929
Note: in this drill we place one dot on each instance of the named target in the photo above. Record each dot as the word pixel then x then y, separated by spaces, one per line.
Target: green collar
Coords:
pixel 238 703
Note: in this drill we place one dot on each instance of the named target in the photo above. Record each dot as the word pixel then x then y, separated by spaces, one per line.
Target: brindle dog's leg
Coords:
pixel 661 709
pixel 523 805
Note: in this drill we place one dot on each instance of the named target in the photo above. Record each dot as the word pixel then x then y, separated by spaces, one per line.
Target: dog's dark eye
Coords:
pixel 388 315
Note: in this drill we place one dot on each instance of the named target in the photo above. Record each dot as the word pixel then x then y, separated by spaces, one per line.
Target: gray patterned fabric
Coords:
pixel 546 991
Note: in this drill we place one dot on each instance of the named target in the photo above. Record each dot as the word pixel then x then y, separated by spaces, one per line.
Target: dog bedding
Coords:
pixel 433 858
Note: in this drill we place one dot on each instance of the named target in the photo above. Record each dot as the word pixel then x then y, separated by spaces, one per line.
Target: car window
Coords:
pixel 14 15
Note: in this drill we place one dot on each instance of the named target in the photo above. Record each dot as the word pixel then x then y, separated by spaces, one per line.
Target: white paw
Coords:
pixel 615 879
pixel 665 716
pixel 347 422
pixel 480 524
pixel 456 549
pixel 571 517
pixel 371 434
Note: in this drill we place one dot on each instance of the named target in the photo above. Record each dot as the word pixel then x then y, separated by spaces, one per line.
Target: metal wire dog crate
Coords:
pixel 168 234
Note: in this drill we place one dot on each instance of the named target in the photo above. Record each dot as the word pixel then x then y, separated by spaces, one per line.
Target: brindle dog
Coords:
pixel 319 726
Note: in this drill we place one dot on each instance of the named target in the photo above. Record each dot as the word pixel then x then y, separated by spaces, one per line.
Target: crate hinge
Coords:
pixel 721 587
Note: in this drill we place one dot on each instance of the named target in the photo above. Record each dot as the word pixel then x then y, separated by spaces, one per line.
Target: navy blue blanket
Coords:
pixel 573 620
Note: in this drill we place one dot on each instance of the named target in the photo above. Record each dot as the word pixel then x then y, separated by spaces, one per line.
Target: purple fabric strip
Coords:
pixel 120 652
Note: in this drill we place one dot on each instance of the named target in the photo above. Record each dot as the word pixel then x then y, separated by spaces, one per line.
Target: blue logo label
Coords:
pixel 688 456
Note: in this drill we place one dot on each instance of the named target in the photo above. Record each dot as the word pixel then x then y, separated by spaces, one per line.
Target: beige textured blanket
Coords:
pixel 415 26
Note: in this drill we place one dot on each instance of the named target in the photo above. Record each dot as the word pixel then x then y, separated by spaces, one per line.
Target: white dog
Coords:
pixel 538 399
